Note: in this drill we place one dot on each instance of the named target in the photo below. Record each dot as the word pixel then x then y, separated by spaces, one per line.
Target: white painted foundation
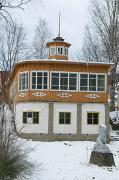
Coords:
pixel 69 128
pixel 42 108
pixel 92 129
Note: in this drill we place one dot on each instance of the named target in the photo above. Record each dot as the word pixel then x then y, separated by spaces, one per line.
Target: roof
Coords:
pixel 65 61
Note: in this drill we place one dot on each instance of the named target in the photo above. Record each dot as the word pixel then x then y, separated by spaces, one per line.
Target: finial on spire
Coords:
pixel 59 25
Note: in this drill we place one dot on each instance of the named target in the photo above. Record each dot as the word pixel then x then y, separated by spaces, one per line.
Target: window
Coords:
pixel 92 82
pixel 64 81
pixel 92 118
pixel 39 80
pixel 60 50
pixel 101 83
pixel 31 117
pixel 52 50
pixel 64 117
pixel 84 82
pixel 23 81
pixel 66 51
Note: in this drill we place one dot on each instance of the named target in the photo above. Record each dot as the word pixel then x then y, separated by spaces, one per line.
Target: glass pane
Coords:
pixel 95 118
pixel 61 118
pixel 55 87
pixel 72 75
pixel 29 114
pixel 45 73
pixel 55 81
pixel 84 82
pixel 67 118
pixel 55 74
pixel 89 118
pixel 101 83
pixel 39 74
pixel 33 80
pixel 45 87
pixel 92 82
pixel 33 73
pixel 45 80
pixel 64 75
pixel 39 80
pixel 35 117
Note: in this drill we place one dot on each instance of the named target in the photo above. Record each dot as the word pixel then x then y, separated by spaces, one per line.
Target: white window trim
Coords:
pixel 54 51
pixel 63 51
pixel 32 118
pixel 19 79
pixel 67 50
pixel 96 82
pixel 43 81
pixel 59 81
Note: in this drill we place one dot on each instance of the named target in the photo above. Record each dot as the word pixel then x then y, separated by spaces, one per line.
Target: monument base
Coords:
pixel 102 158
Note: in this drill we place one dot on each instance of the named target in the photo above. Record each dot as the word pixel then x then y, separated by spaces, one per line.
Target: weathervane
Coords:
pixel 59 25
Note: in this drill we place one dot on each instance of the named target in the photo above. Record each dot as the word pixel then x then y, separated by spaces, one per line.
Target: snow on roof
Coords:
pixel 58 60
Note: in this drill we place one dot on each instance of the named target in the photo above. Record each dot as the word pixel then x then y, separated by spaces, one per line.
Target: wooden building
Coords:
pixel 58 98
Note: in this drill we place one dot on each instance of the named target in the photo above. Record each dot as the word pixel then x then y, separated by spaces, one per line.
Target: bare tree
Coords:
pixel 103 43
pixel 13 157
pixel 12 45
pixel 7 5
pixel 42 36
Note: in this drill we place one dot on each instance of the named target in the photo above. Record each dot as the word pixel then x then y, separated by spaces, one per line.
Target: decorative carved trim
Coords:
pixel 40 94
pixel 22 94
pixel 92 96
pixel 64 95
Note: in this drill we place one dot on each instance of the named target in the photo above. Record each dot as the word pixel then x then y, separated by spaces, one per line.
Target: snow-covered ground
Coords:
pixel 70 161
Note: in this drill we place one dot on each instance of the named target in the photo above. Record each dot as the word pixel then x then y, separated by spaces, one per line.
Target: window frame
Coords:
pixel 55 50
pixel 105 86
pixel 32 117
pixel 93 112
pixel 63 51
pixel 64 72
pixel 42 82
pixel 24 72
pixel 65 118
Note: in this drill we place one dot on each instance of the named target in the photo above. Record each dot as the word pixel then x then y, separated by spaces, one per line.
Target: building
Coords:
pixel 57 98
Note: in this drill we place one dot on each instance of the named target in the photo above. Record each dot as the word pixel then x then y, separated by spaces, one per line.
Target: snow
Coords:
pixel 70 161
pixel 70 61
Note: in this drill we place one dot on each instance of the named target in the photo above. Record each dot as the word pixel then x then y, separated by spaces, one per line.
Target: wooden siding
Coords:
pixel 74 97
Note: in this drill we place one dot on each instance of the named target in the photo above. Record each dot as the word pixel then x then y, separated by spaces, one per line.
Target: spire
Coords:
pixel 59 25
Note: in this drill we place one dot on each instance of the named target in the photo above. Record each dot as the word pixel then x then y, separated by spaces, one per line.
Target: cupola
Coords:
pixel 58 48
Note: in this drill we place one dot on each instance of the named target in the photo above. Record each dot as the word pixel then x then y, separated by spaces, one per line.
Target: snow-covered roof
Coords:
pixel 68 61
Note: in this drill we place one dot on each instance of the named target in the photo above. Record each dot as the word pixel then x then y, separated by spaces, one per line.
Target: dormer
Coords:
pixel 58 49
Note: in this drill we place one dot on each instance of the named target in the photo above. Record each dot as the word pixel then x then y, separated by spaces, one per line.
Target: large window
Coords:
pixel 92 82
pixel 92 118
pixel 39 80
pixel 64 81
pixel 31 117
pixel 64 117
pixel 23 81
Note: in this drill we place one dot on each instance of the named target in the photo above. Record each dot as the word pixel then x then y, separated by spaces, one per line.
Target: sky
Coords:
pixel 74 17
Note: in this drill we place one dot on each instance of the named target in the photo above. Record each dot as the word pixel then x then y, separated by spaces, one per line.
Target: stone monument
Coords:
pixel 101 154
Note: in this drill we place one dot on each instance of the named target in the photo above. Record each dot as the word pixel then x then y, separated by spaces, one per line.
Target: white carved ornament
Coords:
pixel 40 94
pixel 92 96
pixel 22 94
pixel 64 95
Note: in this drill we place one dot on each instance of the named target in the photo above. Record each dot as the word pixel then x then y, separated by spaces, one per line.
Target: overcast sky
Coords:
pixel 74 17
